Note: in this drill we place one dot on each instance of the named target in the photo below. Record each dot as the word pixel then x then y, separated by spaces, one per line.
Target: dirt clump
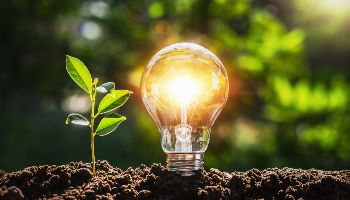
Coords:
pixel 75 181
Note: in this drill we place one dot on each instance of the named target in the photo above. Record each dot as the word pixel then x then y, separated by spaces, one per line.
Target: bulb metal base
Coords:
pixel 185 163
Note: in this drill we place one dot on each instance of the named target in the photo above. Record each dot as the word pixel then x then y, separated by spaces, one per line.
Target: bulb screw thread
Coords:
pixel 185 163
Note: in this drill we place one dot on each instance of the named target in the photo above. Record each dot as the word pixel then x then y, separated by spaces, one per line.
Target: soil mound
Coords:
pixel 75 181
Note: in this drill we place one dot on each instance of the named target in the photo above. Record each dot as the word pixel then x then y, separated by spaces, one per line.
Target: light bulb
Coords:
pixel 184 87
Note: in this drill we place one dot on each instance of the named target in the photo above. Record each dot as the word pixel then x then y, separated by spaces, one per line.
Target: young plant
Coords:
pixel 113 99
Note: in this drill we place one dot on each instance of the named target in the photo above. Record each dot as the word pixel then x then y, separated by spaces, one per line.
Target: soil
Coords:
pixel 75 181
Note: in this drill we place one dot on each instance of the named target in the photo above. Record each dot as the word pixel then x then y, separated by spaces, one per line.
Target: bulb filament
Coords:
pixel 183 133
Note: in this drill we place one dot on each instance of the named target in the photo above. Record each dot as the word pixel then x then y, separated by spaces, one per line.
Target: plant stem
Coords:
pixel 92 122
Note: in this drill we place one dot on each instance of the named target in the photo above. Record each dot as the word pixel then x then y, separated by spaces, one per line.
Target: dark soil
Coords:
pixel 75 181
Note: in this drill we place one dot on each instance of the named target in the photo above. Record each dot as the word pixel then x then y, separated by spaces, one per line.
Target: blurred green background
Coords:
pixel 288 63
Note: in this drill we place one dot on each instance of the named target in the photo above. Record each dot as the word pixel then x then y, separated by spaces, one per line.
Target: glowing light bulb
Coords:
pixel 184 88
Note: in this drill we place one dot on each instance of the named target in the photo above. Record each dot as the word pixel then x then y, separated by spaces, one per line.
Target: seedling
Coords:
pixel 112 100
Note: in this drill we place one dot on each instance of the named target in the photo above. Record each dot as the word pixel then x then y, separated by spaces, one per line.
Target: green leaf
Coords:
pixel 109 124
pixel 79 73
pixel 77 119
pixel 113 100
pixel 105 88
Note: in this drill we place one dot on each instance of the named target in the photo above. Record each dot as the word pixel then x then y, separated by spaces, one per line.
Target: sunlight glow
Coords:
pixel 91 30
pixel 76 103
pixel 98 9
pixel 331 4
pixel 184 90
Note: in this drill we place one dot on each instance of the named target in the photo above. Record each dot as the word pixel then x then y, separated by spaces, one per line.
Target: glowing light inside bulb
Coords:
pixel 184 90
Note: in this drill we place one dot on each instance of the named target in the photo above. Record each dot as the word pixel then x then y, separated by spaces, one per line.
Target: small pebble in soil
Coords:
pixel 75 181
